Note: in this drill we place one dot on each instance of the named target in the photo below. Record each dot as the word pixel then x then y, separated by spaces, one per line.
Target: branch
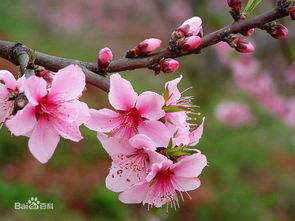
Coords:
pixel 93 77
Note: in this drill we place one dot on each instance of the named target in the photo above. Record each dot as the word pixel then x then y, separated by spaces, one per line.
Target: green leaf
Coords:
pixel 251 5
pixel 175 108
pixel 166 94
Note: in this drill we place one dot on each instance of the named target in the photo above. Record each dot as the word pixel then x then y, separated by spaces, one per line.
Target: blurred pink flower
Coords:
pixel 51 114
pixel 290 73
pixel 234 114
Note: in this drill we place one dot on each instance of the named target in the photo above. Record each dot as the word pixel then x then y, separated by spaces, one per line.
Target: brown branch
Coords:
pixel 54 63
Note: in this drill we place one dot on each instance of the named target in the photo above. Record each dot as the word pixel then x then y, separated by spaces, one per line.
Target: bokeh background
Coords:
pixel 251 152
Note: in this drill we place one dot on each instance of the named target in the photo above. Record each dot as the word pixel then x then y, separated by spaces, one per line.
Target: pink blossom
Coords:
pixel 169 65
pixel 51 113
pixel 9 87
pixel 234 114
pixel 132 159
pixel 135 113
pixel 189 44
pixel 165 179
pixel 105 56
pixel 190 27
pixel 147 46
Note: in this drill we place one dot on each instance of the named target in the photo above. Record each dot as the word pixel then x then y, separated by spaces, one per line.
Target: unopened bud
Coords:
pixel 46 75
pixel 248 32
pixel 169 65
pixel 145 47
pixel 235 4
pixel 292 12
pixel 190 27
pixel 278 31
pixel 189 44
pixel 242 45
pixel 105 56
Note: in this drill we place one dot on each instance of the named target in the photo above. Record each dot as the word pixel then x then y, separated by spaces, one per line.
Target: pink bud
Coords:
pixel 235 4
pixel 292 12
pixel 190 27
pixel 169 65
pixel 243 46
pixel 105 57
pixel 248 32
pixel 189 44
pixel 278 31
pixel 147 46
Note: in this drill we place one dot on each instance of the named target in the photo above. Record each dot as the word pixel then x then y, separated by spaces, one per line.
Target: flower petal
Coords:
pixel 122 95
pixel 68 83
pixel 43 141
pixel 114 145
pixel 103 120
pixel 186 183
pixel 119 179
pixel 155 130
pixel 149 105
pixel 196 135
pixel 135 194
pixel 23 122
pixel 190 166
pixel 35 89
pixel 8 79
pixel 174 93
pixel 66 129
pixel 142 141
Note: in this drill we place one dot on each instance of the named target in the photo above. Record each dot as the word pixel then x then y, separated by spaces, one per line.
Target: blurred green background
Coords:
pixel 251 172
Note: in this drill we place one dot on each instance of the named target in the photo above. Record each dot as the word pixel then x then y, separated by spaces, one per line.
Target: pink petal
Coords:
pixel 35 89
pixel 23 122
pixel 66 129
pixel 196 135
pixel 119 179
pixel 114 145
pixel 8 79
pixel 74 111
pixel 149 105
pixel 190 166
pixel 155 157
pixel 43 141
pixel 142 141
pixel 174 94
pixel 186 183
pixel 103 120
pixel 135 194
pixel 156 130
pixel 122 95
pixel 5 105
pixel 68 83
pixel 156 167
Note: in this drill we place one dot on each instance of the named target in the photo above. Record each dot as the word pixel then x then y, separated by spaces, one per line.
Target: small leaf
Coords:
pixel 251 5
pixel 175 108
pixel 166 94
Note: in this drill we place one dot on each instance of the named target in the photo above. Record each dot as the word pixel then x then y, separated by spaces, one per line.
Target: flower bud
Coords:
pixel 248 32
pixel 105 56
pixel 190 27
pixel 147 46
pixel 278 31
pixel 292 12
pixel 235 4
pixel 169 65
pixel 242 45
pixel 189 44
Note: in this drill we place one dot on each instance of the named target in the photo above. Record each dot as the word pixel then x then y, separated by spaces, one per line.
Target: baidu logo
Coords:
pixel 33 204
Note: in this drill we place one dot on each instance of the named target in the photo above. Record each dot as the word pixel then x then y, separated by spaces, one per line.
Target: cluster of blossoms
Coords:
pixel 150 137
